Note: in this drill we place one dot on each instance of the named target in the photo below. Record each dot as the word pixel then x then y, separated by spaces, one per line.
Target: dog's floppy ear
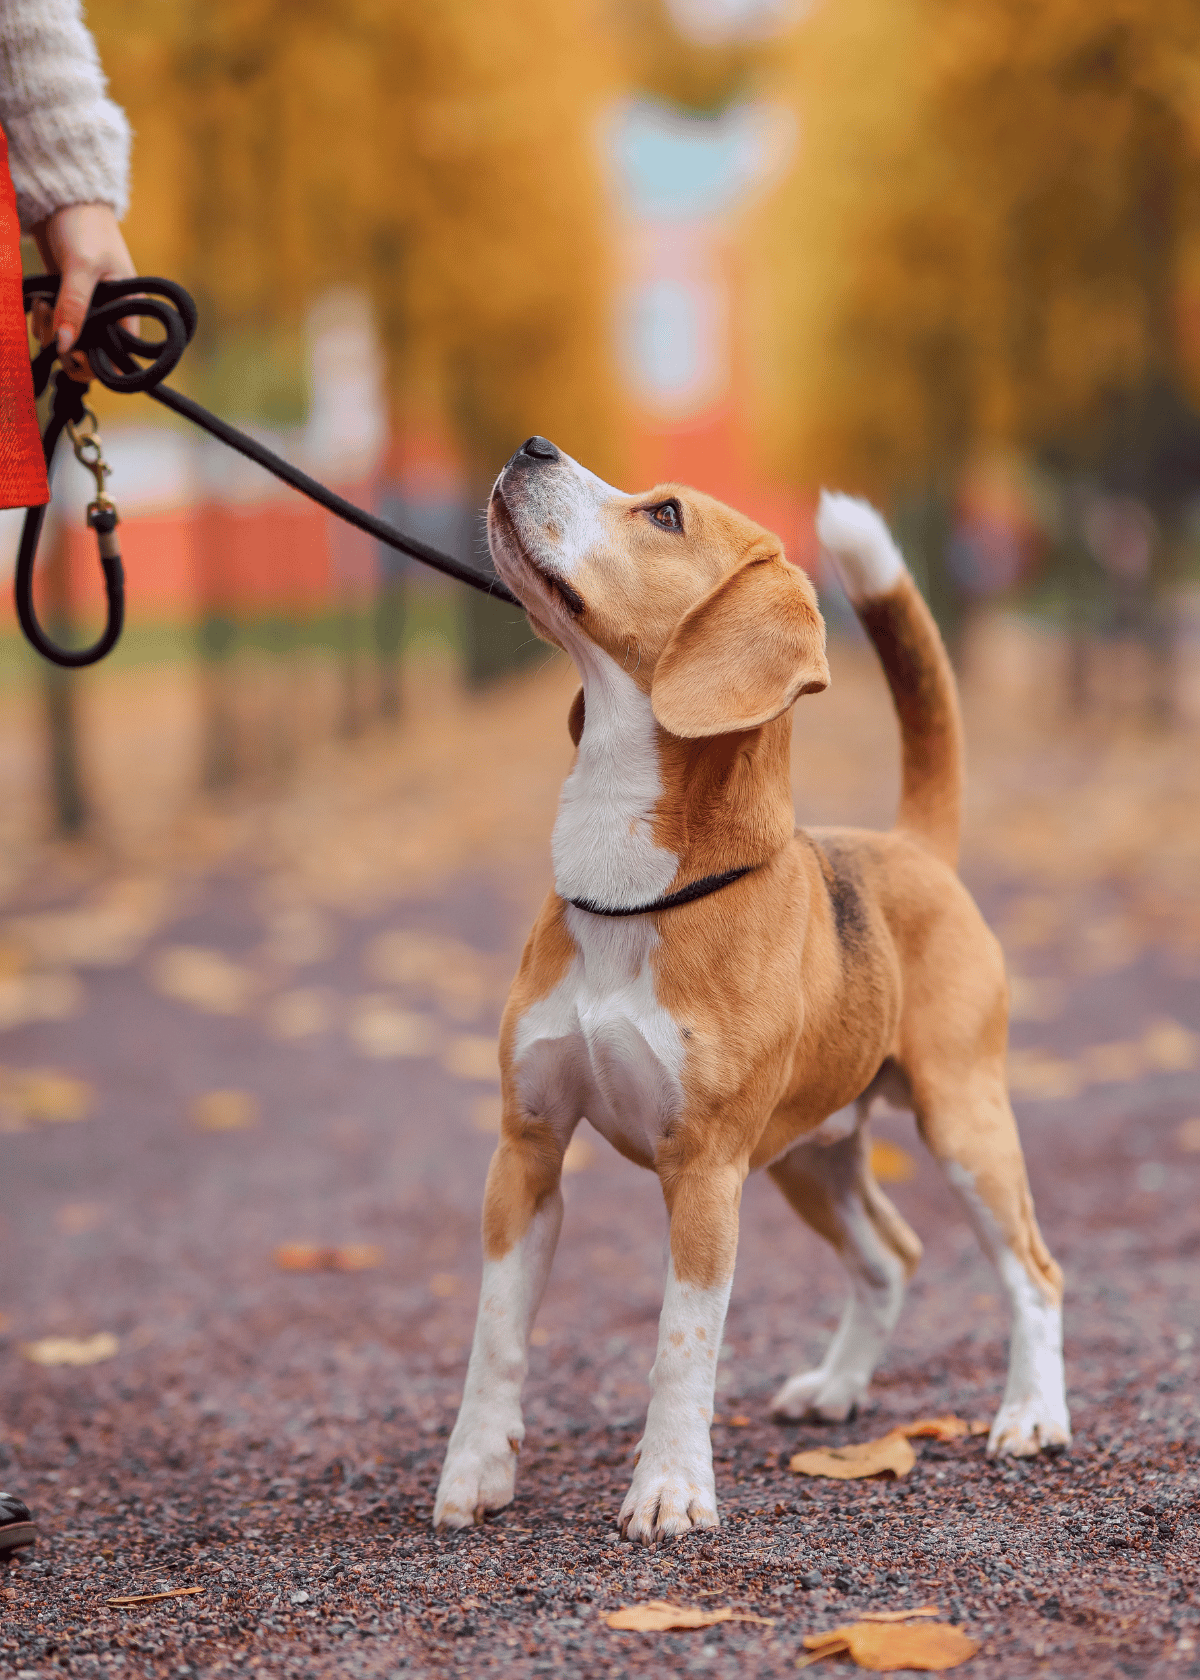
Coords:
pixel 575 719
pixel 743 653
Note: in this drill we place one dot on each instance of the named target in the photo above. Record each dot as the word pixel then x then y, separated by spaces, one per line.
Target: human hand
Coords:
pixel 83 243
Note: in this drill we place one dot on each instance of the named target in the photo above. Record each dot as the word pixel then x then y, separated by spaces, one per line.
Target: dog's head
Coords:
pixel 692 600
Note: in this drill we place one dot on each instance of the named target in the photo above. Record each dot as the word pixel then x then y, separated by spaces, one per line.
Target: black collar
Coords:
pixel 698 889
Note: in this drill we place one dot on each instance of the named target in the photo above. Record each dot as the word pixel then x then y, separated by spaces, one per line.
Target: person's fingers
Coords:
pixel 41 319
pixel 79 276
pixel 82 242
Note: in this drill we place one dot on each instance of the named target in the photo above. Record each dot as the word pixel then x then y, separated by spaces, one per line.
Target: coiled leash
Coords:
pixel 114 353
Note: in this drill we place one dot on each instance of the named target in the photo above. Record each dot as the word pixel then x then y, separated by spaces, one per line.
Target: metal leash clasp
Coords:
pixel 102 516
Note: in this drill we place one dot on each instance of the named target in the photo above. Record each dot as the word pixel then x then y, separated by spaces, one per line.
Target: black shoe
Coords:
pixel 17 1527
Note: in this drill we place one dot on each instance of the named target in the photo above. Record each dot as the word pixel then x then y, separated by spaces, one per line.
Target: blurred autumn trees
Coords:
pixel 992 244
pixel 441 155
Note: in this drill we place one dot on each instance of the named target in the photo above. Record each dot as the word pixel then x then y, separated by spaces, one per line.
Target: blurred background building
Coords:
pixel 948 259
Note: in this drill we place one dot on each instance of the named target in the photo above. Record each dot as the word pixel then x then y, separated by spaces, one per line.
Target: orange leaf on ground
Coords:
pixel 309 1257
pixel 660 1617
pixel 949 1428
pixel 890 1163
pixel 894 1645
pixel 899 1615
pixel 890 1453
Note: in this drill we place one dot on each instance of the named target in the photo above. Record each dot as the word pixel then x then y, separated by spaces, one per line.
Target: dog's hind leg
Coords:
pixel 522 1216
pixel 972 1133
pixel 831 1186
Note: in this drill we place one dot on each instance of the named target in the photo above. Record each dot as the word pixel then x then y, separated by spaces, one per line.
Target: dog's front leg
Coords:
pixel 522 1216
pixel 673 1489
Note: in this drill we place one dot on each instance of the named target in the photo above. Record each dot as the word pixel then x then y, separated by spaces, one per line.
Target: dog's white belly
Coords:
pixel 600 1046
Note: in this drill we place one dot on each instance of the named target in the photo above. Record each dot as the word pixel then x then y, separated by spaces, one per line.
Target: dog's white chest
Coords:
pixel 601 1046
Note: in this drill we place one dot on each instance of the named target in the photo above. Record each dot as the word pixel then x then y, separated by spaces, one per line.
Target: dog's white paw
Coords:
pixel 479 1474
pixel 1024 1428
pixel 828 1395
pixel 667 1499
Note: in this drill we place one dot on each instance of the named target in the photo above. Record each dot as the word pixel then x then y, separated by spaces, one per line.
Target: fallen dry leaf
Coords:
pixel 380 1028
pixel 1036 1073
pixel 72 1350
pixel 75 1218
pixel 885 1647
pixel 444 1285
pixel 890 1163
pixel 658 1616
pixel 42 1096
pixel 472 1056
pixel 890 1453
pixel 1170 1048
pixel 300 1013
pixel 580 1154
pixel 39 997
pixel 900 1615
pixel 205 979
pixel 1035 1000
pixel 486 1113
pixel 310 1257
pixel 1188 1136
pixel 1118 1063
pixel 949 1428
pixel 151 1598
pixel 225 1111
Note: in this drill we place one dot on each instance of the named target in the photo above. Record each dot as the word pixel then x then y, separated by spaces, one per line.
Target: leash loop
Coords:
pixel 124 360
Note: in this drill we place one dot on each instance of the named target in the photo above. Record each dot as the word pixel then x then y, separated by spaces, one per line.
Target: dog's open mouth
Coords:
pixel 557 587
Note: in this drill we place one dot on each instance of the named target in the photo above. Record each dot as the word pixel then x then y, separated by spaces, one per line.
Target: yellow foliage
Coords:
pixel 443 156
pixel 992 233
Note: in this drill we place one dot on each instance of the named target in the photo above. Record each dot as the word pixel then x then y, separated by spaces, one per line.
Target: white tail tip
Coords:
pixel 860 545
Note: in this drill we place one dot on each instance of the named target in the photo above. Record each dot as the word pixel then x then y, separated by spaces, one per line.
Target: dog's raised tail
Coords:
pixel 915 663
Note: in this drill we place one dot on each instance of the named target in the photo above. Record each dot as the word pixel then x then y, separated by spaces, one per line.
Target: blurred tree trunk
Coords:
pixel 496 635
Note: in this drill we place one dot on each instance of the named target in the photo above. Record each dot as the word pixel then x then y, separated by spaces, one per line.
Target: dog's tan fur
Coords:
pixel 848 963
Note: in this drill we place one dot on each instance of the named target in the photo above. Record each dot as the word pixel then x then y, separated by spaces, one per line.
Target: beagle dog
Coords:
pixel 716 991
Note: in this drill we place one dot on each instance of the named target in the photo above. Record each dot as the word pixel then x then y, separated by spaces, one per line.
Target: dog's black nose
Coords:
pixel 540 448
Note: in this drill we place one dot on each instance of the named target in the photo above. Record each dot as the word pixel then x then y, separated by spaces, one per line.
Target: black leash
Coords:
pixel 114 354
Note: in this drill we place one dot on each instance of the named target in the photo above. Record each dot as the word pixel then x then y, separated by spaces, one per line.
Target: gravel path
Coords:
pixel 274 1436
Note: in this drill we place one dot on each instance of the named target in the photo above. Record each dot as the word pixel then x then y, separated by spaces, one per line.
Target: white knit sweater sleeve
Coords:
pixel 67 142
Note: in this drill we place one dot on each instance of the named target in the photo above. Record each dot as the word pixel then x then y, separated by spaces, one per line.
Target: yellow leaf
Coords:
pixel 885 1647
pixel 1188 1136
pixel 472 1056
pixel 1036 1073
pixel 579 1156
pixel 1112 1064
pixel 380 1028
pixel 225 1111
pixel 949 1428
pixel 72 1350
pixel 658 1616
pixel 298 1014
pixel 74 1218
pixel 205 979
pixel 900 1615
pixel 1170 1048
pixel 444 1285
pixel 890 1163
pixel 47 1096
pixel 357 1257
pixel 310 1257
pixel 890 1453
pixel 486 1113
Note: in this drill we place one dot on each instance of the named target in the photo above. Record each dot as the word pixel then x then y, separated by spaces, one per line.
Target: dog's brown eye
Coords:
pixel 668 515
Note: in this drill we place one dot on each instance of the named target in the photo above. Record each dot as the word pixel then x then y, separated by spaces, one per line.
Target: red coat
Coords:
pixel 22 469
